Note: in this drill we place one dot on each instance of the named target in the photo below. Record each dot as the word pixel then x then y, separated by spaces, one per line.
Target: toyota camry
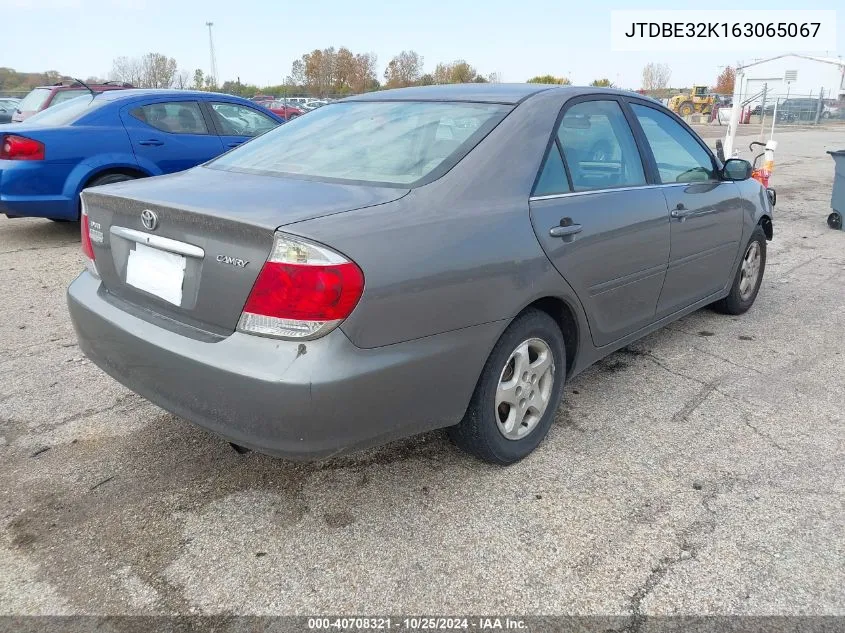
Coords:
pixel 400 261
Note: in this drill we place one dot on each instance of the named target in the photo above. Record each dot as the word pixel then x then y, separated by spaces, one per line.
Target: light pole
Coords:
pixel 211 51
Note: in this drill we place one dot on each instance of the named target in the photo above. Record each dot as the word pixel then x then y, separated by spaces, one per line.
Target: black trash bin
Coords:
pixel 837 198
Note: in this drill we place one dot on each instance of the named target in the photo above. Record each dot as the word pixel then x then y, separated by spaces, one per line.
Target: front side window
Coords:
pixel 393 143
pixel 599 147
pixel 679 157
pixel 181 117
pixel 238 120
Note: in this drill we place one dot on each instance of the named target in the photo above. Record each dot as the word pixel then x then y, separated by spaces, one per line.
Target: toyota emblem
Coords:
pixel 149 219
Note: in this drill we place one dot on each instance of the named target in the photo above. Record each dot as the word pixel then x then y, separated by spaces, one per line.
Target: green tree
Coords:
pixel 601 83
pixel 458 72
pixel 550 79
pixel 199 79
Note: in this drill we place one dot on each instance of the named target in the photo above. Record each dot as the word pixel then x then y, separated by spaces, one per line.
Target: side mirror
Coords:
pixel 736 169
pixel 773 195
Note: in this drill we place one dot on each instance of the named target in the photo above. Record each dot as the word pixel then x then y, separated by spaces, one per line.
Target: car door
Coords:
pixel 601 222
pixel 705 211
pixel 237 123
pixel 170 136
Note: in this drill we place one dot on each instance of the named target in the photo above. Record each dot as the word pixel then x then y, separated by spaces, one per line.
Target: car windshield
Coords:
pixel 34 100
pixel 65 113
pixel 388 143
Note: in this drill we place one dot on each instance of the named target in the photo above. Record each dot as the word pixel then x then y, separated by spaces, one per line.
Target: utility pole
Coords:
pixel 213 57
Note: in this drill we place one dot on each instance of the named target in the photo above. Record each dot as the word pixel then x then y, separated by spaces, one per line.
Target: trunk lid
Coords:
pixel 211 233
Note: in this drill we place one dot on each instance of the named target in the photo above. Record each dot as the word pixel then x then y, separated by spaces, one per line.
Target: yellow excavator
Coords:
pixel 699 101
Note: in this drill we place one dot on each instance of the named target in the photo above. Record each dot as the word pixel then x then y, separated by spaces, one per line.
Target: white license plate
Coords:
pixel 157 272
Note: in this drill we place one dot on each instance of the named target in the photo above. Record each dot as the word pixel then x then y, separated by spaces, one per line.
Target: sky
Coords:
pixel 257 40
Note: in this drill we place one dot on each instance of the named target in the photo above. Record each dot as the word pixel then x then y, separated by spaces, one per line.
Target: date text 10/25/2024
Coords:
pixel 417 624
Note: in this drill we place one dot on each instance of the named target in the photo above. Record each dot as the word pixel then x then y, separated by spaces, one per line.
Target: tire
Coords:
pixel 742 296
pixel 109 179
pixel 482 432
pixel 686 109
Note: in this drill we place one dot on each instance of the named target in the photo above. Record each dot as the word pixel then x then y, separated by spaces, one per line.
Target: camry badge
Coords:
pixel 149 219
pixel 232 261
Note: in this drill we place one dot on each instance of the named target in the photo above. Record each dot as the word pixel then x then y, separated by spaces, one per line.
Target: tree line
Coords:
pixel 329 72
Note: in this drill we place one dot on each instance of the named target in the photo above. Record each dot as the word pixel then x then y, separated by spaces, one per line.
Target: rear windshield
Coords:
pixel 34 100
pixel 388 143
pixel 66 112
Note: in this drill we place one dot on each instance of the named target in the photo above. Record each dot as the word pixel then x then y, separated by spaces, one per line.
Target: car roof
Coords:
pixel 78 86
pixel 117 95
pixel 481 92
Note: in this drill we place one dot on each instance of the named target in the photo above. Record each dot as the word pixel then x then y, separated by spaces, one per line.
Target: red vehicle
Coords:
pixel 287 112
pixel 44 97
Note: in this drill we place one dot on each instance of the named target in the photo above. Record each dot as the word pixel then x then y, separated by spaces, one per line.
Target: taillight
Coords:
pixel 304 291
pixel 16 147
pixel 85 230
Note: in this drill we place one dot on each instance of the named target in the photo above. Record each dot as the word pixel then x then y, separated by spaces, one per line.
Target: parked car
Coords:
pixel 314 104
pixel 441 256
pixel 7 108
pixel 112 136
pixel 833 110
pixel 45 97
pixel 286 111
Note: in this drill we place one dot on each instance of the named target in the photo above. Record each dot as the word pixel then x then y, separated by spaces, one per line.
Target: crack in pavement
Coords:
pixel 786 273
pixel 763 434
pixel 657 361
pixel 696 401
pixel 707 388
pixel 687 550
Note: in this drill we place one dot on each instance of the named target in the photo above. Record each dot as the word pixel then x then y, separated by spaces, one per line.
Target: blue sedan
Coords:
pixel 46 161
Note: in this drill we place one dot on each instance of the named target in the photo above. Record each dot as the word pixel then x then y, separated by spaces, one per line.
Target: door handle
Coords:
pixel 565 230
pixel 234 144
pixel 680 212
pixel 152 142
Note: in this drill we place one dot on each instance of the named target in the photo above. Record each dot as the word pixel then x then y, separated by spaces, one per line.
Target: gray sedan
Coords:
pixel 442 256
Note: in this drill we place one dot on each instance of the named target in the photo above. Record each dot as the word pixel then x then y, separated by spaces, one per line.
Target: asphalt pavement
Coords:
pixel 699 471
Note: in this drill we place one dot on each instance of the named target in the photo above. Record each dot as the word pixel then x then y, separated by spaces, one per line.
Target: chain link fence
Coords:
pixel 797 109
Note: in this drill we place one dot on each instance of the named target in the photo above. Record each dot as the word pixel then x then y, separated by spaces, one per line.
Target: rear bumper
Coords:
pixel 39 207
pixel 295 400
pixel 33 189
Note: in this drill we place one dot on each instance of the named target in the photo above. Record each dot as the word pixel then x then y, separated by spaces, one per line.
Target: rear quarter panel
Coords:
pixel 70 154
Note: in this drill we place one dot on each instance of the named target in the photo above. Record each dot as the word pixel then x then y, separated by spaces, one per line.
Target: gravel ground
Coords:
pixel 699 471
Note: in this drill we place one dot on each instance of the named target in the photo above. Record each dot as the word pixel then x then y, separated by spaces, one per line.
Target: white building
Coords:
pixel 793 75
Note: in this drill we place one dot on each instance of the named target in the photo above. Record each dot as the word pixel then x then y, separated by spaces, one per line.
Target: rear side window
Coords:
pixel 34 100
pixel 68 112
pixel 553 176
pixel 238 120
pixel 679 157
pixel 599 147
pixel 66 95
pixel 181 117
